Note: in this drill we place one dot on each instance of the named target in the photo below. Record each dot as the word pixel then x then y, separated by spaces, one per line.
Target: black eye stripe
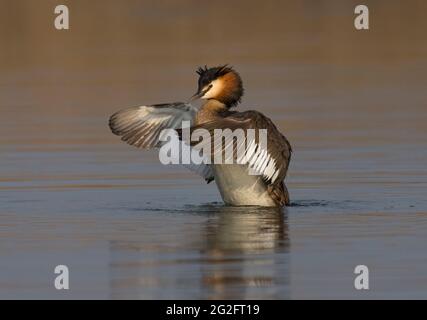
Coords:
pixel 207 89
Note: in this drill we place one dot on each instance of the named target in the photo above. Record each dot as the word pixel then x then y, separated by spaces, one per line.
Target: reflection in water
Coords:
pixel 234 253
pixel 240 248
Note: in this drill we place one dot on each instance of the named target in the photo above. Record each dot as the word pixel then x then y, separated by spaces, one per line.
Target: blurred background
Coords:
pixel 352 103
pixel 332 78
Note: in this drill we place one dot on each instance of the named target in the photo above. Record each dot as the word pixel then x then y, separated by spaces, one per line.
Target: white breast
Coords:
pixel 238 188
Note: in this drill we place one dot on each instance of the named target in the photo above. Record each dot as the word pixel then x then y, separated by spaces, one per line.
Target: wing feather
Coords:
pixel 142 127
pixel 271 162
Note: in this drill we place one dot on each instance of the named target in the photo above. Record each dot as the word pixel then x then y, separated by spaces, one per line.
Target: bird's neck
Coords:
pixel 211 110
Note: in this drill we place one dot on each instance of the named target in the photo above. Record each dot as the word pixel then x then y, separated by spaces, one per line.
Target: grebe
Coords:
pixel 222 89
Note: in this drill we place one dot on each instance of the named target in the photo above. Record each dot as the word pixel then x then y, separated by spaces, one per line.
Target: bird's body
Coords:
pixel 238 188
pixel 257 179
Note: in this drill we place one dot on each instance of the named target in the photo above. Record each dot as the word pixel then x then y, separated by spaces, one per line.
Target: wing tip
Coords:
pixel 112 126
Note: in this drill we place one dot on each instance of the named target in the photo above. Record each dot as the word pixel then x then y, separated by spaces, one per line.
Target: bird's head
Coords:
pixel 220 83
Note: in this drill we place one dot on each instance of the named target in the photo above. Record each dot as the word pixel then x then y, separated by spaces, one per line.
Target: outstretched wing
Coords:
pixel 142 126
pixel 271 162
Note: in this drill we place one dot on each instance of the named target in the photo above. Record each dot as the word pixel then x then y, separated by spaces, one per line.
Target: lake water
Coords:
pixel 352 103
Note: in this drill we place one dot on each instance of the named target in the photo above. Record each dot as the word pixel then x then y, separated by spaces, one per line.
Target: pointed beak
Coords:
pixel 196 96
pixel 200 93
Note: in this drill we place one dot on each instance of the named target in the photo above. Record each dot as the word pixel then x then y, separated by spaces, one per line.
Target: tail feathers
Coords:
pixel 279 193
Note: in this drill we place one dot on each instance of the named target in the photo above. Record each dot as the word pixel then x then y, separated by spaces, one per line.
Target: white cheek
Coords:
pixel 214 91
